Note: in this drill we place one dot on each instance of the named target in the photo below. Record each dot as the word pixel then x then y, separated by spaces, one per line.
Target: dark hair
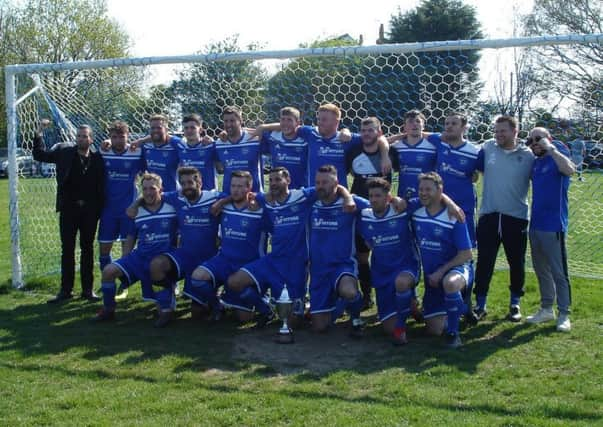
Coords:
pixel 413 114
pixel 381 183
pixel 233 110
pixel 459 115
pixel 192 118
pixel 508 119
pixel 189 170
pixel 330 169
pixel 371 121
pixel 119 126
pixel 242 174
pixel 433 177
pixel 280 169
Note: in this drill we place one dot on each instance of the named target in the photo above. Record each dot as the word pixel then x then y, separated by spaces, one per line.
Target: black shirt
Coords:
pixel 81 181
pixel 363 166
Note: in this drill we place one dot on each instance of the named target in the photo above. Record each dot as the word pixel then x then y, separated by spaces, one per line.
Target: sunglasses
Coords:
pixel 534 139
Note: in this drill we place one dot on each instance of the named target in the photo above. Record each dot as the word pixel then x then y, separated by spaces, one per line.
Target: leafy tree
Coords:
pixel 308 82
pixel 433 81
pixel 573 71
pixel 206 88
pixel 36 31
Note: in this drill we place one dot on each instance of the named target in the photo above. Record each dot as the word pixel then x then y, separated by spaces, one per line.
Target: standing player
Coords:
pixel 445 251
pixel 364 163
pixel 122 166
pixel 161 155
pixel 241 151
pixel 413 155
pixel 507 165
pixel 457 165
pixel 243 241
pixel 287 149
pixel 196 154
pixel 333 271
pixel 327 145
pixel 394 263
pixel 155 230
pixel 548 225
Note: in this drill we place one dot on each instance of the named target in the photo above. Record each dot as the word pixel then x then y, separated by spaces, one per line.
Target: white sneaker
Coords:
pixel 543 315
pixel 563 323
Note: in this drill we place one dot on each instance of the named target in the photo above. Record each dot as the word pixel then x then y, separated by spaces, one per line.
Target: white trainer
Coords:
pixel 541 316
pixel 563 323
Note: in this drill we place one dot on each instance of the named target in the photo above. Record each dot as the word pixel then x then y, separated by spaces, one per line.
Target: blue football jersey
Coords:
pixel 391 242
pixel 243 238
pixel 121 170
pixel 245 155
pixel 456 166
pixel 156 231
pixel 327 151
pixel 439 238
pixel 163 160
pixel 197 227
pixel 332 233
pixel 291 154
pixel 201 157
pixel 410 161
pixel 288 223
pixel 549 194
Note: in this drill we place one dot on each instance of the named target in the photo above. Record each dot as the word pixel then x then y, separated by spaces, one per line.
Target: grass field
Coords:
pixel 58 369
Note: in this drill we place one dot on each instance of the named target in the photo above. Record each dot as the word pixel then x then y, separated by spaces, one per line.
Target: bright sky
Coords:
pixel 183 27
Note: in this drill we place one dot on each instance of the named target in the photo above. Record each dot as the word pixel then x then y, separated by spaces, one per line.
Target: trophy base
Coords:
pixel 282 338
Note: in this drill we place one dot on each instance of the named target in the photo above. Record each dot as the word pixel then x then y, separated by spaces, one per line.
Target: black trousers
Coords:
pixel 492 230
pixel 74 218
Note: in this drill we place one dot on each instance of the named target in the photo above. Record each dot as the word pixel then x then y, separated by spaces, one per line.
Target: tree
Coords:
pixel 575 71
pixel 206 88
pixel 438 81
pixel 308 82
pixel 64 31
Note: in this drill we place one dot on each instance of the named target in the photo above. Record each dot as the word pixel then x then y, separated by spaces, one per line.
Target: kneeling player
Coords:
pixel 445 250
pixel 394 263
pixel 243 240
pixel 155 229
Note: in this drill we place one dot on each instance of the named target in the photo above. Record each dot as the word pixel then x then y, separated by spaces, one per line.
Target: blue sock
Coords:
pixel 165 297
pixel 354 306
pixel 454 309
pixel 340 305
pixel 480 302
pixel 203 292
pixel 252 298
pixel 108 289
pixel 403 300
pixel 515 299
pixel 104 260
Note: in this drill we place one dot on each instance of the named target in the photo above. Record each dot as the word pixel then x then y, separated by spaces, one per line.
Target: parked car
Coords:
pixel 25 163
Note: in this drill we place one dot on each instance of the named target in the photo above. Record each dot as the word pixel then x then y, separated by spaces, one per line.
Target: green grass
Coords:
pixel 58 369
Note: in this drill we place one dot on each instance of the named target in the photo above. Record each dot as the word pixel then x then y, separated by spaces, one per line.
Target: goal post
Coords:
pixel 382 80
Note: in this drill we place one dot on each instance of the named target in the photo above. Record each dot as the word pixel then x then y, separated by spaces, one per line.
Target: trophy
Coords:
pixel 284 306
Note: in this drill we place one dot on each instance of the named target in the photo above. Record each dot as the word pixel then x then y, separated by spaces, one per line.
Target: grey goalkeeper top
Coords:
pixel 506 179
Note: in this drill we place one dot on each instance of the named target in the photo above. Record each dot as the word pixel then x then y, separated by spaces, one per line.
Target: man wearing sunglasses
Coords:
pixel 548 226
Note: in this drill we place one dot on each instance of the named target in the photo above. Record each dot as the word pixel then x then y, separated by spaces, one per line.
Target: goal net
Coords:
pixel 481 78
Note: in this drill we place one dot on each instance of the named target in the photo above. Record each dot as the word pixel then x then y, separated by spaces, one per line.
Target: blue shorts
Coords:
pixel 433 299
pixel 323 287
pixel 114 227
pixel 219 268
pixel 268 273
pixel 137 267
pixel 185 260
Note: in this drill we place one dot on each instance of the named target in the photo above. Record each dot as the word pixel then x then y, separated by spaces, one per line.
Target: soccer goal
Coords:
pixel 480 78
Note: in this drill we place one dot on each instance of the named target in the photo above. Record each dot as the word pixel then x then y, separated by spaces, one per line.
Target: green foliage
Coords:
pixel 206 88
pixel 436 82
pixel 63 30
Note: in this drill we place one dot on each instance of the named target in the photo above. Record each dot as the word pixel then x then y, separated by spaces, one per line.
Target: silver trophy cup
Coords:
pixel 284 307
